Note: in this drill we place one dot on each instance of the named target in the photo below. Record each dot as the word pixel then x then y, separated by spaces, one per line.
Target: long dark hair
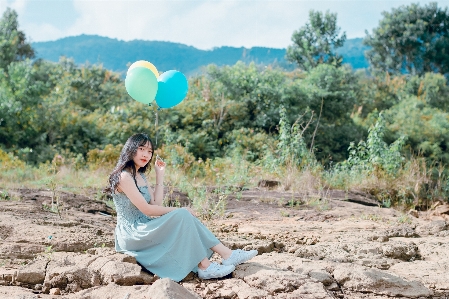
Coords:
pixel 125 161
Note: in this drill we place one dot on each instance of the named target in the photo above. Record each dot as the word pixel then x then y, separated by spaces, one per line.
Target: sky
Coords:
pixel 204 24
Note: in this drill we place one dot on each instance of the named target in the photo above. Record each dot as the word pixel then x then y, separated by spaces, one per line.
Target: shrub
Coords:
pixel 9 161
pixel 374 155
pixel 105 158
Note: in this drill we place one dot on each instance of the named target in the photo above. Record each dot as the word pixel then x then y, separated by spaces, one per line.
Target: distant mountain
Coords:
pixel 117 55
pixel 353 52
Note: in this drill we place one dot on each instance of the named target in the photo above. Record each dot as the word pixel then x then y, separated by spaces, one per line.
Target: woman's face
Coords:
pixel 143 155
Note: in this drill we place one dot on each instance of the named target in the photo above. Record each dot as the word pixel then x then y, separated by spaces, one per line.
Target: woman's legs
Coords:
pixel 204 264
pixel 222 250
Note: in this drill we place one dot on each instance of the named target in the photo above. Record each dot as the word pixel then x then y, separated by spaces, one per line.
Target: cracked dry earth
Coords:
pixel 343 247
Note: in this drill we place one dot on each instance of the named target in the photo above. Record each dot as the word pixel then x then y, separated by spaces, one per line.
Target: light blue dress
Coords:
pixel 170 246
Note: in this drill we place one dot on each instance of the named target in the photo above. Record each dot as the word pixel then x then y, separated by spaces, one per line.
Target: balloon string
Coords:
pixel 155 124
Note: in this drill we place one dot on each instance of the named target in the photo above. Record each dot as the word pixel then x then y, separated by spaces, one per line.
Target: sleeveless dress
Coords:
pixel 170 246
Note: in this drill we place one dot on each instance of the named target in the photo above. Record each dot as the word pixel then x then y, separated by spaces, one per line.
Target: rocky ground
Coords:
pixel 341 246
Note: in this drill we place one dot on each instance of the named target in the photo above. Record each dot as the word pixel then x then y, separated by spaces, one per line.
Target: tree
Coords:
pixel 226 102
pixel 13 44
pixel 411 39
pixel 330 92
pixel 315 43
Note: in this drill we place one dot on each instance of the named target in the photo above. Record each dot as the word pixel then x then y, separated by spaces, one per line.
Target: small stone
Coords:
pixel 413 213
pixel 333 287
pixel 269 184
pixel 383 239
pixel 46 288
pixel 435 205
pixel 55 291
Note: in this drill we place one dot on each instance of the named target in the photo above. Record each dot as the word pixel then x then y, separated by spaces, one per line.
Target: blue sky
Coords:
pixel 198 23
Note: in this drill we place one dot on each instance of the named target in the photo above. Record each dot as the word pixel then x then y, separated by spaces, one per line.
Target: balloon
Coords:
pixel 146 64
pixel 172 89
pixel 141 84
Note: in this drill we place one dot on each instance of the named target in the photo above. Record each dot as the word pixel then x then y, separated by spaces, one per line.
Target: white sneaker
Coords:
pixel 239 257
pixel 215 271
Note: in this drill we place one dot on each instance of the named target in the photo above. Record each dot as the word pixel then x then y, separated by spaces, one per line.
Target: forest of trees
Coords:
pixel 49 109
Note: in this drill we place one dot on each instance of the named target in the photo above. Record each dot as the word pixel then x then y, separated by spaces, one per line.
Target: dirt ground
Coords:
pixel 342 245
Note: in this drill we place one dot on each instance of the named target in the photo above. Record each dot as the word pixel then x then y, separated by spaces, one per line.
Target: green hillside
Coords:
pixel 117 55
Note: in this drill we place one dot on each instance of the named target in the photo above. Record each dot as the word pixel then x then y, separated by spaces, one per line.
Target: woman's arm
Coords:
pixel 158 195
pixel 128 186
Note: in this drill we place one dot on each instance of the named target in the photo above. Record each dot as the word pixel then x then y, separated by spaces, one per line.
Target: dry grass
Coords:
pixel 413 185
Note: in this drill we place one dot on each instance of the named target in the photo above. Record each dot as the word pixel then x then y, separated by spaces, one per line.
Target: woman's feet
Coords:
pixel 239 257
pixel 215 271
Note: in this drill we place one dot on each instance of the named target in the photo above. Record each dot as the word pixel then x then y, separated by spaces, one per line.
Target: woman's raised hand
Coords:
pixel 159 165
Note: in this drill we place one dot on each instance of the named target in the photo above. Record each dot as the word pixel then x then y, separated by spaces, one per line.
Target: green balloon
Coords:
pixel 141 84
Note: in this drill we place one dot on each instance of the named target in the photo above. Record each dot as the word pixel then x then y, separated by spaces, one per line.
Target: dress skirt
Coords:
pixel 170 246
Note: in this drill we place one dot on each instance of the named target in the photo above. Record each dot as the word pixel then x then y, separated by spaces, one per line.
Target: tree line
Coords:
pixel 49 109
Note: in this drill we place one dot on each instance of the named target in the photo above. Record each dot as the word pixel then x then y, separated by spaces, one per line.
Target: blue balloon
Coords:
pixel 172 89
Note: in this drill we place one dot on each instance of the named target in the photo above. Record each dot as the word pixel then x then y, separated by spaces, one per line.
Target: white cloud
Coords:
pixel 204 23
pixel 42 32
pixel 17 5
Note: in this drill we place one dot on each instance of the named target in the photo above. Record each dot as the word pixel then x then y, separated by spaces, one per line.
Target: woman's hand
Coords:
pixel 159 165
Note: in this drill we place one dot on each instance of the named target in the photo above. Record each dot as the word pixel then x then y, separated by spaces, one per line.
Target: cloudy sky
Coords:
pixel 199 23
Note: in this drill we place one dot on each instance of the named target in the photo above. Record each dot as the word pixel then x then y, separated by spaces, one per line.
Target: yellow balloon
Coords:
pixel 146 64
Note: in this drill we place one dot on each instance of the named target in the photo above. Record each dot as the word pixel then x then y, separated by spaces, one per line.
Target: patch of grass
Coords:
pixel 49 249
pixel 292 203
pixel 404 219
pixel 110 203
pixel 6 196
pixel 50 208
pixel 320 204
pixel 412 185
pixel 284 213
pixel 208 204
pixel 65 176
pixel 372 217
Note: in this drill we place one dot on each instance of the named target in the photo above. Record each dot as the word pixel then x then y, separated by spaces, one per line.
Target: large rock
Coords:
pixel 434 249
pixel 124 274
pixel 330 251
pixel 7 276
pixel 33 273
pixel 69 272
pixel 401 250
pixel 262 246
pixel 10 250
pixel 311 290
pixel 288 262
pixel 73 272
pixel 111 291
pixel 13 292
pixel 232 288
pixel 432 228
pixel 271 280
pixel 404 230
pixel 433 274
pixel 441 210
pixel 354 278
pixel 168 289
